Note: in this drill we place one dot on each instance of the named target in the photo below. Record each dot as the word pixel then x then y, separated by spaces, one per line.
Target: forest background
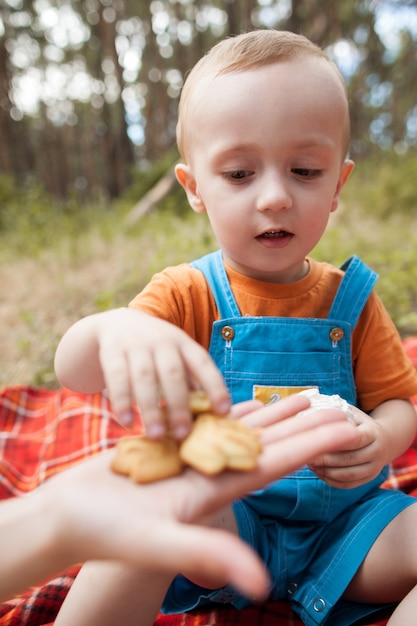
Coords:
pixel 88 98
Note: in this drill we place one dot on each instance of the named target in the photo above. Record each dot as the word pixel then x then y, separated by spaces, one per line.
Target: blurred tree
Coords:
pixel 7 161
pixel 15 155
pixel 117 158
pixel 89 88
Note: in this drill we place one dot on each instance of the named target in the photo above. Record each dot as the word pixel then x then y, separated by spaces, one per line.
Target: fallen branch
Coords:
pixel 152 197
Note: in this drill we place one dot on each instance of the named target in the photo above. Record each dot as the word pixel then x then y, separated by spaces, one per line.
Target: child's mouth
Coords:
pixel 274 234
pixel 275 238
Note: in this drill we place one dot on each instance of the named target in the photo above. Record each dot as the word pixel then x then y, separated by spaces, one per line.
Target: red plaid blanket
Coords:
pixel 43 432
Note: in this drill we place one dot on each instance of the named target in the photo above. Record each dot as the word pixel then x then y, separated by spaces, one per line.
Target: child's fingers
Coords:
pixel 172 376
pixel 205 373
pixel 145 390
pixel 116 375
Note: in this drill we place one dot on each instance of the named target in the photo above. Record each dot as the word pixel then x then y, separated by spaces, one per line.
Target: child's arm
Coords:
pixel 139 358
pixel 382 436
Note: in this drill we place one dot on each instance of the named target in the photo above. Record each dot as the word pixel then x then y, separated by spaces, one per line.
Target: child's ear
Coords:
pixel 189 184
pixel 345 172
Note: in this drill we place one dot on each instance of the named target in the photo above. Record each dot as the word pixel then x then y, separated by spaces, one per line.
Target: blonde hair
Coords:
pixel 242 52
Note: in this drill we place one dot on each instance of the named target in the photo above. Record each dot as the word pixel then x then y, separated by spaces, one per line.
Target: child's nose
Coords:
pixel 275 194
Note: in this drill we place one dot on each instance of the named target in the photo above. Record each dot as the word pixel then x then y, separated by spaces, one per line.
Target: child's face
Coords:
pixel 267 163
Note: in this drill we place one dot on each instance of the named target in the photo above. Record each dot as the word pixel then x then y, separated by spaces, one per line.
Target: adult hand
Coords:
pixel 88 512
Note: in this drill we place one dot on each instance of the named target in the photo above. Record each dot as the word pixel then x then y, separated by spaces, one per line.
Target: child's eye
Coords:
pixel 237 175
pixel 306 172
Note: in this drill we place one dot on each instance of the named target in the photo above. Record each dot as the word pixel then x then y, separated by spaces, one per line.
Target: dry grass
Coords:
pixel 41 296
pixel 106 266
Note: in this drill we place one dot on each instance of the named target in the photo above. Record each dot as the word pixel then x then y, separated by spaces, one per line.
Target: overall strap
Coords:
pixel 354 290
pixel 213 269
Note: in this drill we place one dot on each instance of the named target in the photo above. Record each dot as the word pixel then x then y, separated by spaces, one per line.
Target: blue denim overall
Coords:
pixel 305 520
pixel 268 357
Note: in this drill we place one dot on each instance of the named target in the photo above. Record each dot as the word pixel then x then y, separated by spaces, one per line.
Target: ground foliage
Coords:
pixel 60 262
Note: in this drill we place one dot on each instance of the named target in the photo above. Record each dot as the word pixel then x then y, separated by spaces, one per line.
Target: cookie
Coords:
pixel 146 460
pixel 199 402
pixel 215 443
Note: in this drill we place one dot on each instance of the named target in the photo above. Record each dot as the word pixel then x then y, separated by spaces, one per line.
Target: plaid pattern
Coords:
pixel 43 432
pixel 39 605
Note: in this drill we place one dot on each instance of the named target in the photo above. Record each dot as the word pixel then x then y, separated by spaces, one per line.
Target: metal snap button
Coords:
pixel 228 333
pixel 292 588
pixel 319 605
pixel 336 334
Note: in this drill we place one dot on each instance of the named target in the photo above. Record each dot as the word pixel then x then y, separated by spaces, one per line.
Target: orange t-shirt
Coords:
pixel 382 371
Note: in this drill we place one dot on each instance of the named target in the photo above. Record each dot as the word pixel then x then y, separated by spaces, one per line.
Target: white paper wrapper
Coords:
pixel 322 401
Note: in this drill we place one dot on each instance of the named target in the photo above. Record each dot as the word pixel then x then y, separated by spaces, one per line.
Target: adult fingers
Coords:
pixel 281 455
pixel 204 553
pixel 278 411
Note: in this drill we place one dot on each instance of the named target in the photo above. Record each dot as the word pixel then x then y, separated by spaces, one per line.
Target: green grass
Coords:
pixel 60 262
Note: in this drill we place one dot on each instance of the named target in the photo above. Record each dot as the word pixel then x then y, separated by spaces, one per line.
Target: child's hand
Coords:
pixel 381 437
pixel 143 359
pixel 361 462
